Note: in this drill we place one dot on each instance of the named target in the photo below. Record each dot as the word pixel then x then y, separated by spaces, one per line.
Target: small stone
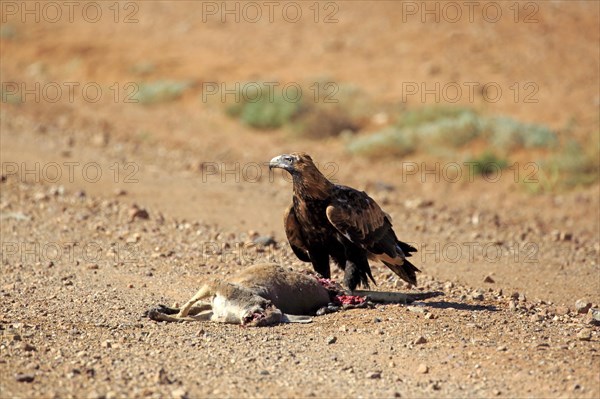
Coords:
pixel 522 297
pixel 501 348
pixel 179 393
pixel 582 306
pixel 129 285
pixel 430 316
pixel 263 372
pixel 422 369
pixel 95 395
pixel 488 279
pixel 264 241
pixel 584 335
pixel 376 320
pixel 374 375
pixel 536 318
pixel 24 377
pixel 420 340
pixel 564 236
pixel 132 239
pixel 561 310
pixel 331 340
pixel 434 386
pixel 477 295
pixel 416 309
pixel 106 344
pixel 28 347
pixel 92 266
pixel 100 139
pixel 138 213
pixel 593 317
pixel 448 285
pixel 512 305
pixel 161 377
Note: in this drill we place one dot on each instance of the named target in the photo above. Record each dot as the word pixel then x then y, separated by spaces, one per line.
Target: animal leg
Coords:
pixel 157 315
pixel 200 311
pixel 397 297
pixel 385 297
pixel 290 318
pixel 204 292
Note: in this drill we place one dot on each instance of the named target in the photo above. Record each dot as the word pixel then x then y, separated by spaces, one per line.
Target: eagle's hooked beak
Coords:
pixel 283 162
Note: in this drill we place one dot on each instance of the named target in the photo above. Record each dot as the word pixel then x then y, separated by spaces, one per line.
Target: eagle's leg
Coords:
pixel 320 261
pixel 351 276
pixel 357 271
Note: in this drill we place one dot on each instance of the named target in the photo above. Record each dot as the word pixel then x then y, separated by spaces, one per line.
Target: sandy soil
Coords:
pixel 78 271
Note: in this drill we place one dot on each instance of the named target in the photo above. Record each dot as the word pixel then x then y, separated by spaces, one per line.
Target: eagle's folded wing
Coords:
pixel 293 232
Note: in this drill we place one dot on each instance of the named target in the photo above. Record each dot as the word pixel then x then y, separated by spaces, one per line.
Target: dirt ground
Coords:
pixel 79 268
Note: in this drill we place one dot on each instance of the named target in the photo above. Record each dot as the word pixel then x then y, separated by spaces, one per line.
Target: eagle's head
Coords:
pixel 295 162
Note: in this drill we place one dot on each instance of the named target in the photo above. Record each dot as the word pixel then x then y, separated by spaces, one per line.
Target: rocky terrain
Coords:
pixel 109 208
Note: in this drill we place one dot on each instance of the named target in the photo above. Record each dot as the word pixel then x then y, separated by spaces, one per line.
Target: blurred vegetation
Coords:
pixel 143 68
pixel 160 91
pixel 315 111
pixel 440 131
pixel 433 128
pixel 259 109
pixel 447 130
pixel 11 97
pixel 507 134
pixel 488 163
pixel 572 166
pixel 8 32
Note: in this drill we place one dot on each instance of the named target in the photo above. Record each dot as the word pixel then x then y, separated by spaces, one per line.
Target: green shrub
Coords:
pixel 315 114
pixel 8 32
pixel 454 131
pixel 143 68
pixel 575 164
pixel 428 129
pixel 257 108
pixel 437 129
pixel 507 134
pixel 160 91
pixel 424 115
pixel 487 163
pixel 11 97
pixel 265 114
pixel 390 141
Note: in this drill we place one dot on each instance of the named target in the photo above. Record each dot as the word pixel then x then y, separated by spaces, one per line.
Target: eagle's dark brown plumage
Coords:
pixel 328 220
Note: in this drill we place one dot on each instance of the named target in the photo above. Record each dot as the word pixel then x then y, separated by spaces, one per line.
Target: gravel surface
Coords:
pixel 74 291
